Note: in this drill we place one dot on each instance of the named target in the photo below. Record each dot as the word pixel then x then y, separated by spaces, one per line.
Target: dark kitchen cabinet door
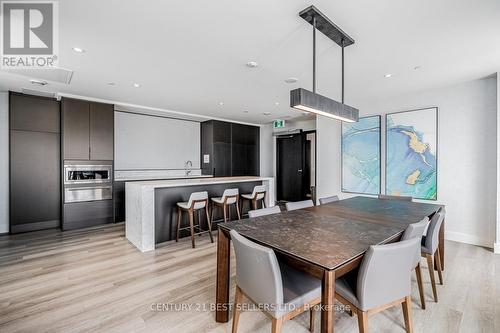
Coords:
pixel 101 131
pixel 34 113
pixel 76 129
pixel 35 193
pixel 222 160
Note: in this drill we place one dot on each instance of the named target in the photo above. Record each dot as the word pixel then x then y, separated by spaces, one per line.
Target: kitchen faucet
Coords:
pixel 188 165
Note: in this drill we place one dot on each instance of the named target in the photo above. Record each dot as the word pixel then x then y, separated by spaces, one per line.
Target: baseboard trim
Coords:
pixel 496 248
pixel 467 239
pixel 35 226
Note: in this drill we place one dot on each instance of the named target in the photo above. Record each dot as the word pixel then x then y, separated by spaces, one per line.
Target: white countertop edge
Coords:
pixel 195 181
pixel 136 179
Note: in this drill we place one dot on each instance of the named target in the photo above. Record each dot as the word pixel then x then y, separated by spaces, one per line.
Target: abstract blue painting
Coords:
pixel 411 154
pixel 361 156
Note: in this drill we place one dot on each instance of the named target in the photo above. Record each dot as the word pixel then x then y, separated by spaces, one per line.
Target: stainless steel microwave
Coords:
pixel 87 174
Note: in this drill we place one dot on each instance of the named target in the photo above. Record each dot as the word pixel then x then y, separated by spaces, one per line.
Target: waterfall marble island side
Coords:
pixel 150 206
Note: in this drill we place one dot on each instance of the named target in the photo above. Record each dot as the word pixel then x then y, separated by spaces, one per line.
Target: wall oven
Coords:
pixel 84 181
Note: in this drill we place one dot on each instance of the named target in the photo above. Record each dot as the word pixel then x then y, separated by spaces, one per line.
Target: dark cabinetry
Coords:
pixel 88 130
pixel 229 149
pixel 35 178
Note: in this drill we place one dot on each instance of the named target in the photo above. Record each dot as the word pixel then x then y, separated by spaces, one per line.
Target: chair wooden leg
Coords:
pixel 238 297
pixel 238 211
pixel 179 216
pixel 198 212
pixel 264 203
pixel 418 271
pixel 212 212
pixel 439 267
pixel 225 215
pixel 277 325
pixel 312 319
pixel 254 204
pixel 191 226
pixel 209 224
pixel 430 266
pixel 407 314
pixel 363 321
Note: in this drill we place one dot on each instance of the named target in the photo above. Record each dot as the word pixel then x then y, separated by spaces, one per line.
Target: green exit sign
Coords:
pixel 278 123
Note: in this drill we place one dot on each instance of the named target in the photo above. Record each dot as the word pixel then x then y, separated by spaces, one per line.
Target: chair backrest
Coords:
pixel 384 274
pixel 260 191
pixel 416 230
pixel 258 273
pixel 198 196
pixel 264 211
pixel 432 237
pixel 394 197
pixel 230 192
pixel 327 200
pixel 299 205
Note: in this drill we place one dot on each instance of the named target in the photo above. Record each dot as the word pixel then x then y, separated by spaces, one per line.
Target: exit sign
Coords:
pixel 279 123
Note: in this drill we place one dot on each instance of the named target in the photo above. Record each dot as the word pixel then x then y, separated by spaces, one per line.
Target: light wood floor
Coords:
pixel 95 281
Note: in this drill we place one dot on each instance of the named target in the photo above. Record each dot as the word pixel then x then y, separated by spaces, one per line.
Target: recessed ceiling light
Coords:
pixel 221 103
pixel 38 82
pixel 111 83
pixel 78 49
pixel 417 67
pixel 276 103
pixel 252 64
pixel 266 113
pixel 137 85
pixel 388 75
pixel 291 80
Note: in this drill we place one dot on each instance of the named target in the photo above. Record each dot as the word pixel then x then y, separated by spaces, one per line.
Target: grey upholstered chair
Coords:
pixel 394 197
pixel 284 291
pixel 327 200
pixel 299 205
pixel 430 246
pixel 265 211
pixel 383 281
pixel 412 231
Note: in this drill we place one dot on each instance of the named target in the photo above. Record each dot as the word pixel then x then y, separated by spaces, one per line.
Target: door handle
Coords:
pixel 299 171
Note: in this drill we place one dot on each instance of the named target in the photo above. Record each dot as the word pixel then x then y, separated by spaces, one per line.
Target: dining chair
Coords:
pixel 264 211
pixel 327 200
pixel 299 205
pixel 229 197
pixel 394 197
pixel 430 246
pixel 412 231
pixel 197 201
pixel 383 281
pixel 286 292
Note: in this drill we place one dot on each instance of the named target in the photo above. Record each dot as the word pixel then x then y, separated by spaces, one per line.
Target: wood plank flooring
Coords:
pixel 93 280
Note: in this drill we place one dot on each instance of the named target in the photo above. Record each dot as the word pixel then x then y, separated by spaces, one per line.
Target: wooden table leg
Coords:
pixel 328 302
pixel 441 248
pixel 222 291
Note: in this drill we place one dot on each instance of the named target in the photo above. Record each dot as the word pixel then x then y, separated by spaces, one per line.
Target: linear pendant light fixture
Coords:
pixel 306 100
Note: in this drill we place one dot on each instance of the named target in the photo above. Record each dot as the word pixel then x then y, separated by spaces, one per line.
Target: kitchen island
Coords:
pixel 150 206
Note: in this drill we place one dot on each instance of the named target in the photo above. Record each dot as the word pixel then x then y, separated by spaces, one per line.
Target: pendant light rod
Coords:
pixel 314 53
pixel 342 44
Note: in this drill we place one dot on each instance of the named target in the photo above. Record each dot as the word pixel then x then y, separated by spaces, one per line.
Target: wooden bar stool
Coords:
pixel 229 197
pixel 197 201
pixel 258 194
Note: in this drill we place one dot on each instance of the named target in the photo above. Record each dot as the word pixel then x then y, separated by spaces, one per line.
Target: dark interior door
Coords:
pixel 290 167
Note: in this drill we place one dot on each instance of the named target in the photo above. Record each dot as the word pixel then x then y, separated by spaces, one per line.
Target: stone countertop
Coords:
pixel 149 178
pixel 196 181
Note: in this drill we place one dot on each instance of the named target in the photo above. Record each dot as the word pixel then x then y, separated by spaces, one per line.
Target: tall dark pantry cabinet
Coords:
pixel 34 163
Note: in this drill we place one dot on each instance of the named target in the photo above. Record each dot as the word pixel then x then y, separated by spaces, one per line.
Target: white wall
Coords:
pixel 4 162
pixel 466 154
pixel 267 154
pixel 497 241
pixel 149 142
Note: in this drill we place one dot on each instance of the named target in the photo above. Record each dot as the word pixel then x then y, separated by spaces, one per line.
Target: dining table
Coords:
pixel 325 241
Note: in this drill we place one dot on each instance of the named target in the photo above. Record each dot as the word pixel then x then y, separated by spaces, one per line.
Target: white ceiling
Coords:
pixel 190 55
